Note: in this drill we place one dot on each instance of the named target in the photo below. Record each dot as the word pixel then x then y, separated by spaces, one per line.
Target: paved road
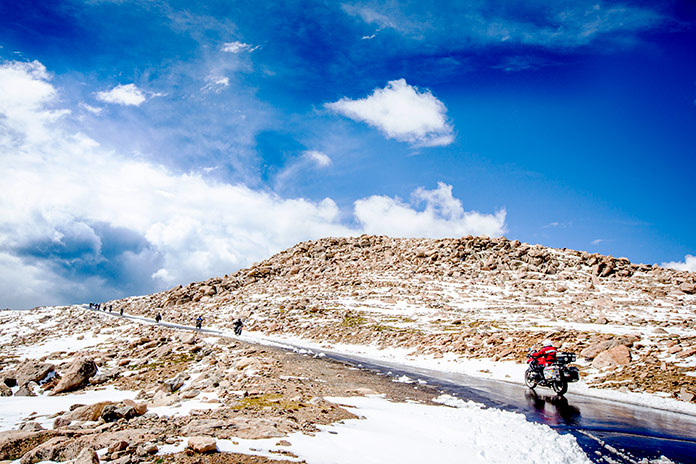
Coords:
pixel 609 432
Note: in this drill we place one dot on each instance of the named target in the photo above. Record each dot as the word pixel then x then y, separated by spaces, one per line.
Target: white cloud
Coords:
pixel 309 160
pixel 238 47
pixel 216 84
pixel 320 159
pixel 597 241
pixel 91 109
pixel 62 189
pixel 401 112
pixel 126 95
pixel 564 25
pixel 689 264
pixel 443 216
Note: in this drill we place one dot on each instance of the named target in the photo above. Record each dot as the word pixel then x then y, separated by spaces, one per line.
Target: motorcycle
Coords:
pixel 555 376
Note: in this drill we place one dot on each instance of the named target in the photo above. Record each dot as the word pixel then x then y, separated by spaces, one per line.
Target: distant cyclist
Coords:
pixel 199 322
pixel 158 317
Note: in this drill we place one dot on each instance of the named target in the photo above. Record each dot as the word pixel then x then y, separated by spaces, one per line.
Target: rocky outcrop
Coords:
pixel 77 375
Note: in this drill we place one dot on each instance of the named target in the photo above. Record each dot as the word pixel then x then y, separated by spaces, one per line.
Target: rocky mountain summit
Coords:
pixel 470 297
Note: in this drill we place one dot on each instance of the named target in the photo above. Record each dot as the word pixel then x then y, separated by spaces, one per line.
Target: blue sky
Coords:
pixel 147 144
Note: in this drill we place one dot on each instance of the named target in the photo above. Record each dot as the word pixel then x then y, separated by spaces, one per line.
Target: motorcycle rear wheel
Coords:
pixel 560 387
pixel 529 379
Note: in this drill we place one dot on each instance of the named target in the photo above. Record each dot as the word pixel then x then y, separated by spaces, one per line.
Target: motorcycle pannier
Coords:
pixel 565 357
pixel 572 374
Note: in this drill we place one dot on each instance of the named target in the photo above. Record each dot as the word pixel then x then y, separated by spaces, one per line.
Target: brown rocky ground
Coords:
pixel 257 392
pixel 474 297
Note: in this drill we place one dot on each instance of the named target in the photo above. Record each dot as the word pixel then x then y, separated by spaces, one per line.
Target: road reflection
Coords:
pixel 553 409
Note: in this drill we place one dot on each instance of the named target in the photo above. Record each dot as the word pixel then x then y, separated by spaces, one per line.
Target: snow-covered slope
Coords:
pixel 471 297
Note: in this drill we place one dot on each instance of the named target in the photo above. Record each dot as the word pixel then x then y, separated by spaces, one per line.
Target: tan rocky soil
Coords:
pixel 474 296
pixel 257 392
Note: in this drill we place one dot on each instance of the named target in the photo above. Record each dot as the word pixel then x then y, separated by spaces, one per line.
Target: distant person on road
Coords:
pixel 199 322
pixel 121 311
pixel 111 307
pixel 238 324
pixel 158 317
pixel 547 354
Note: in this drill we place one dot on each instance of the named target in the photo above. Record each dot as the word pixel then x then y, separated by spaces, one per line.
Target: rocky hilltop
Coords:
pixel 467 297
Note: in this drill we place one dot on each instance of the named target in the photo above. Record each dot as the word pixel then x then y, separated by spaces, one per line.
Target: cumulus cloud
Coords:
pixel 689 264
pixel 442 216
pixel 238 47
pixel 401 112
pixel 126 95
pixel 80 222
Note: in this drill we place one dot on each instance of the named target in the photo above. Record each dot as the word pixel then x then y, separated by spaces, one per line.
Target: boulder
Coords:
pixel 118 445
pixel 15 443
pixel 48 451
pixel 25 390
pixel 617 356
pixel 31 427
pixel 202 444
pixel 8 378
pixel 688 288
pixel 90 412
pixel 87 456
pixel 5 390
pixel 77 375
pixel 32 370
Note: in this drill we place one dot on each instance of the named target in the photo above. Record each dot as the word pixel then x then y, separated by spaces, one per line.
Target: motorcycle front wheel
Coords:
pixel 529 379
pixel 559 386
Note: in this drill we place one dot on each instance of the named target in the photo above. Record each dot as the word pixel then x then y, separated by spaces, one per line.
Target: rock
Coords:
pixel 25 391
pixel 15 443
pixel 9 378
pixel 147 448
pixel 163 398
pixel 77 375
pixel 688 288
pixel 203 427
pixel 90 412
pixel 126 412
pixel 109 413
pixel 5 390
pixel 685 394
pixel 593 350
pixel 283 443
pixel 617 356
pixel 31 427
pixel 174 384
pixel 202 444
pixel 47 451
pixel 116 446
pixel 140 408
pixel 32 371
pixel 659 330
pixel 87 456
